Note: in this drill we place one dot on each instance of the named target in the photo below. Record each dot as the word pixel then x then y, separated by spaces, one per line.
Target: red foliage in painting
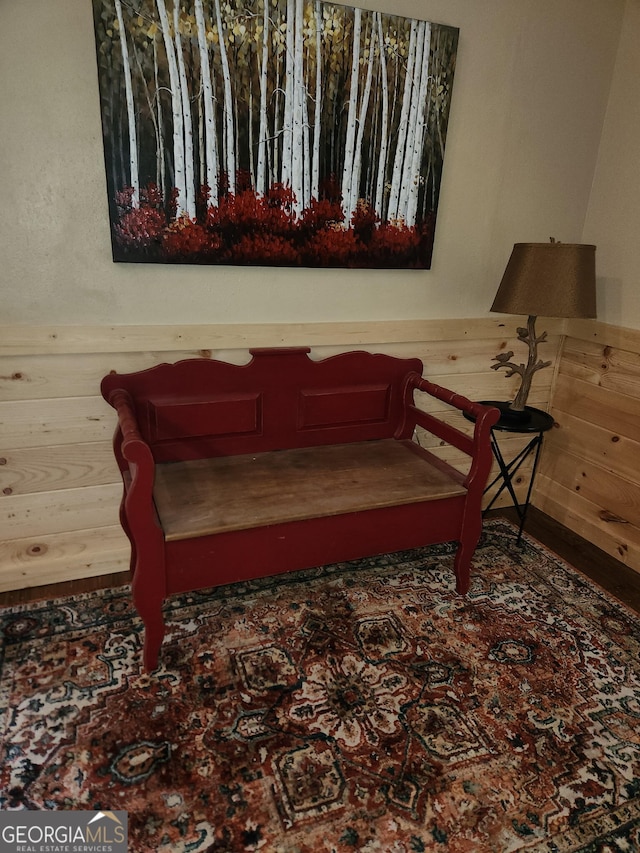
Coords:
pixel 223 183
pixel 243 181
pixel 364 220
pixel 265 249
pixel 391 243
pixel 202 202
pixel 186 240
pixel 248 213
pixel 172 206
pixel 281 197
pixel 253 229
pixel 124 200
pixel 332 247
pixel 321 214
pixel 140 227
pixel 151 196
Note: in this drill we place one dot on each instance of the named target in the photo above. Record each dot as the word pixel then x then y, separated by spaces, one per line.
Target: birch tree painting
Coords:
pixel 272 132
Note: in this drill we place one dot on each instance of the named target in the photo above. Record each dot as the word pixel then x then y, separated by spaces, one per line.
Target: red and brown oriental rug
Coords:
pixel 358 707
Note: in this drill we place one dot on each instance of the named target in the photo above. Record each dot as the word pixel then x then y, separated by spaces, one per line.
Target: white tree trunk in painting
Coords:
pixel 131 113
pixel 187 123
pixel 210 138
pixel 298 164
pixel 229 148
pixel 151 109
pixel 407 174
pixel 315 160
pixel 384 135
pixel 289 96
pixel 306 148
pixel 277 132
pixel 304 103
pixel 176 112
pixel 250 142
pixel 160 164
pixel 349 148
pixel 398 162
pixel 413 170
pixel 362 120
pixel 261 178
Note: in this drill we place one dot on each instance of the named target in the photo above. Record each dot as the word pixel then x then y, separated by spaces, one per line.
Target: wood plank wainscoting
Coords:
pixel 59 485
pixel 589 476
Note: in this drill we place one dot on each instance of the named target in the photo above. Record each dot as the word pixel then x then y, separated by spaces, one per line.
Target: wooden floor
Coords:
pixel 609 573
pixel 606 571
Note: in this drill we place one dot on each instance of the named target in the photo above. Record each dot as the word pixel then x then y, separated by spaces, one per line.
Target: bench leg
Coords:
pixel 149 607
pixel 153 635
pixel 148 588
pixel 462 568
pixel 469 538
pixel 132 542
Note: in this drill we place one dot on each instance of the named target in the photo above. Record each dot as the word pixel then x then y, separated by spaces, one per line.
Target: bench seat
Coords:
pixel 202 497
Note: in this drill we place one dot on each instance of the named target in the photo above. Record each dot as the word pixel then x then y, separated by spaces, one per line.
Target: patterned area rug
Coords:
pixel 358 707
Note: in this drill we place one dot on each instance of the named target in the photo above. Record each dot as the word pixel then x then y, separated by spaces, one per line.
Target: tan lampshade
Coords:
pixel 549 280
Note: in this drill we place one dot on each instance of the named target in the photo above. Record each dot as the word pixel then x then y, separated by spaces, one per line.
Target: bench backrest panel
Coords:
pixel 200 408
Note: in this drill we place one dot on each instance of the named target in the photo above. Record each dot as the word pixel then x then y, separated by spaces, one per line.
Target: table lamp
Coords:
pixel 549 279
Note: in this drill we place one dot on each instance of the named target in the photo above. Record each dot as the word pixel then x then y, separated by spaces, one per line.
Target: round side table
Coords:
pixel 532 422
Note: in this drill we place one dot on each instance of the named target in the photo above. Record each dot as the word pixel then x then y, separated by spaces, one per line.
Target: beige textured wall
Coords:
pixel 529 100
pixel 614 209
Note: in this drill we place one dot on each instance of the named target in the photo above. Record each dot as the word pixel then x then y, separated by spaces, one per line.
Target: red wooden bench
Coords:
pixel 236 472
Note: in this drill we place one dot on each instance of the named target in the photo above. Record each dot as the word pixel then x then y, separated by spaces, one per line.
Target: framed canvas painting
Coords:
pixel 272 132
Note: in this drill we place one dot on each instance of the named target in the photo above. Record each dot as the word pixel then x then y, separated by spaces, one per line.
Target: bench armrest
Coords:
pixel 134 448
pixel 483 416
pixel 458 401
pixel 132 452
pixel 477 446
pixel 121 402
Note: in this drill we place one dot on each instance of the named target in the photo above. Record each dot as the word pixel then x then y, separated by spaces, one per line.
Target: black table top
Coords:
pixel 532 420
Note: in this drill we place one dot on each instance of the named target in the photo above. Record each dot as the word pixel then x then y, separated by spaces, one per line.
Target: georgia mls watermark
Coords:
pixel 63 832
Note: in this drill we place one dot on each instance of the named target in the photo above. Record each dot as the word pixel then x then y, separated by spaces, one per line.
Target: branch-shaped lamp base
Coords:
pixel 517 408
